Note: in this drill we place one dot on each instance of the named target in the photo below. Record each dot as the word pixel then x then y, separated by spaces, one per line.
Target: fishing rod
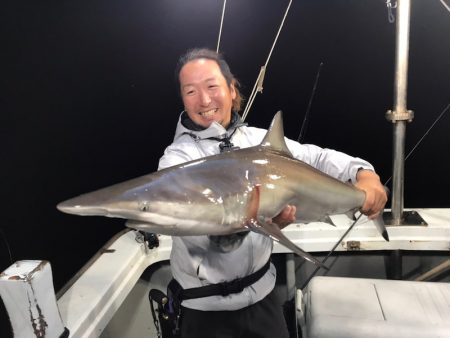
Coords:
pixel 258 86
pixel 331 252
pixel 304 126
pixel 357 219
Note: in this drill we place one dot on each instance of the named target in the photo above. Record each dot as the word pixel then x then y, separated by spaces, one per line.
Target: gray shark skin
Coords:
pixel 234 191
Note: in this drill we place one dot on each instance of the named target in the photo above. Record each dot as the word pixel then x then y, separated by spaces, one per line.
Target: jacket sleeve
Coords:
pixel 183 150
pixel 334 163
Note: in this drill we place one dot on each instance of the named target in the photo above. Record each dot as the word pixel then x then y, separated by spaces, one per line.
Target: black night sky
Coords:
pixel 88 98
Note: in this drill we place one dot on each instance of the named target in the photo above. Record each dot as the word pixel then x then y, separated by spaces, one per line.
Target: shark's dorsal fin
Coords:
pixel 274 138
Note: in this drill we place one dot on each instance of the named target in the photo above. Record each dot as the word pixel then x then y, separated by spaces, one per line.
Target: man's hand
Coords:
pixel 285 217
pixel 376 196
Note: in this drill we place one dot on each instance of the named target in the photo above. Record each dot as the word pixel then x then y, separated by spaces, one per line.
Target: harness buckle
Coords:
pixel 234 286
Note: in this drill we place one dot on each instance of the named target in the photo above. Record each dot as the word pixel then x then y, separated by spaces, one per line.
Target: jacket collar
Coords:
pixel 187 126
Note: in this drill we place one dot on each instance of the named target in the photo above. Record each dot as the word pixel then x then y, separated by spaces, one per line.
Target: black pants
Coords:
pixel 264 319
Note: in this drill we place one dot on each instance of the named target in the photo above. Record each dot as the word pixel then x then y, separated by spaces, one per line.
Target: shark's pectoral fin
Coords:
pixel 273 231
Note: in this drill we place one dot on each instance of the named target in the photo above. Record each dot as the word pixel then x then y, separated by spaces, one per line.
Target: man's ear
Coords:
pixel 233 90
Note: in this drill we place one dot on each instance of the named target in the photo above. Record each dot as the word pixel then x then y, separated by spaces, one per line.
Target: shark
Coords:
pixel 239 190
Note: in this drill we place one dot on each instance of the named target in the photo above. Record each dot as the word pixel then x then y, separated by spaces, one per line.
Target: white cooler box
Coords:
pixel 357 307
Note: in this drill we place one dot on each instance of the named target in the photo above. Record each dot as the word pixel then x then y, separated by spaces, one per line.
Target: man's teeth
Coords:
pixel 208 113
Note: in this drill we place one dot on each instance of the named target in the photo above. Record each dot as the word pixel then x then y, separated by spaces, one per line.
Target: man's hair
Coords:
pixel 205 53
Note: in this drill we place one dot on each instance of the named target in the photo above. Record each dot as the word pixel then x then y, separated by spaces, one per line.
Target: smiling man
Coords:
pixel 207 96
pixel 230 279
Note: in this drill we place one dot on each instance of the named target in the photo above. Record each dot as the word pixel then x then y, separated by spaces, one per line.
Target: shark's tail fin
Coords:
pixel 379 223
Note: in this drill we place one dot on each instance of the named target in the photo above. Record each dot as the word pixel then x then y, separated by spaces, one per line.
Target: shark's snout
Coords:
pixel 77 207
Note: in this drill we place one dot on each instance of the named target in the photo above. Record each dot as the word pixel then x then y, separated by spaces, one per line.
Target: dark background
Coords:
pixel 88 99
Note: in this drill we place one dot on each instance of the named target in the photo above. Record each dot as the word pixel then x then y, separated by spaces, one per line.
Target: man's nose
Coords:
pixel 205 98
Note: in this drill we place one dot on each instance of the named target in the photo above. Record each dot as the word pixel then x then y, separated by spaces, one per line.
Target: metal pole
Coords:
pixel 400 115
pixel 398 172
pixel 290 276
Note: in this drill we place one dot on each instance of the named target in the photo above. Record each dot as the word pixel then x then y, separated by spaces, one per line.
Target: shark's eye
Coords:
pixel 143 206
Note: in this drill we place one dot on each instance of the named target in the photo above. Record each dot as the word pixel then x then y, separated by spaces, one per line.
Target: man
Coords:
pixel 208 125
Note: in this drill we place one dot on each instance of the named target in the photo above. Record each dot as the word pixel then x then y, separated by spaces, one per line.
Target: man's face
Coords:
pixel 205 93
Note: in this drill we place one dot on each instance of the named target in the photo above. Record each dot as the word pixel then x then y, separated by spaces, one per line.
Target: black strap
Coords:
pixel 223 289
pixel 225 142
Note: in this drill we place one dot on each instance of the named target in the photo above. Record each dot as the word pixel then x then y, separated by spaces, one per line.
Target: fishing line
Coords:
pixel 221 25
pixel 258 87
pixel 304 126
pixel 7 245
pixel 424 135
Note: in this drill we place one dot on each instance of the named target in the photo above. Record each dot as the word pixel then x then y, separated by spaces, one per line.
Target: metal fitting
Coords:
pixel 394 116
